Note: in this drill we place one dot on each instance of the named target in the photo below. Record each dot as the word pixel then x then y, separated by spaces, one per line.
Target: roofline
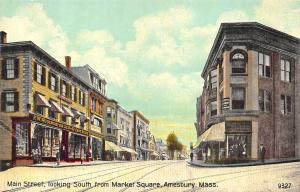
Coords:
pixel 141 115
pixel 93 70
pixel 24 43
pixel 244 24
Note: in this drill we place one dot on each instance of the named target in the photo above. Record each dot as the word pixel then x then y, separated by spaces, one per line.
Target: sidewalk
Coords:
pixel 73 164
pixel 200 163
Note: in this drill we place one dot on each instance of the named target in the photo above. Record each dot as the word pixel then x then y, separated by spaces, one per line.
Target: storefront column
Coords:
pixel 227 153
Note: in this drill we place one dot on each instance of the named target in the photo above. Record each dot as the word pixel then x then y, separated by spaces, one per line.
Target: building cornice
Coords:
pixel 253 35
pixel 42 55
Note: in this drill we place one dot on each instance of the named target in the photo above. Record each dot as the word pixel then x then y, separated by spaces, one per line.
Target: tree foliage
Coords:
pixel 173 143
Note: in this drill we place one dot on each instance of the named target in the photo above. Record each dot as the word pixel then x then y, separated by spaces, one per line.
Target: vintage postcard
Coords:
pixel 150 95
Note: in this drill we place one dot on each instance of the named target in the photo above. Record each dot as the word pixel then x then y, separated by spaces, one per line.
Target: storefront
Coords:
pixel 45 141
pixel 217 144
pixel 36 139
pixel 128 154
pixel 96 148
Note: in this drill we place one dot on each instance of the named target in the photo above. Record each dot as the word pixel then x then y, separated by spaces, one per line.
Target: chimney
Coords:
pixel 68 62
pixel 3 37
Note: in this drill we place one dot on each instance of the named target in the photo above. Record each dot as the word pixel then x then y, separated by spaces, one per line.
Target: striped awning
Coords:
pixel 76 113
pixel 129 150
pixel 110 146
pixel 55 107
pixel 68 111
pixel 41 101
pixel 214 133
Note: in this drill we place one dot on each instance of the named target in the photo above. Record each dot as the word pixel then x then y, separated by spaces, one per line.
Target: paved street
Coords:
pixel 152 176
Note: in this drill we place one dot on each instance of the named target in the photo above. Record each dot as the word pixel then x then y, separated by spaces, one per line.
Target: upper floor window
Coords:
pixel 285 67
pixel 53 82
pixel 97 122
pixel 238 60
pixel 265 100
pixel 285 104
pixel 264 65
pixel 51 113
pixel 213 79
pixel 64 89
pixel 108 112
pixel 10 68
pixel 93 104
pixel 10 101
pixel 108 127
pixel 39 73
pixel 213 107
pixel 238 98
pixel 81 98
pixel 73 93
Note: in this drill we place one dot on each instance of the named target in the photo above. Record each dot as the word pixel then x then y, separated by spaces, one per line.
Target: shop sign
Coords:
pixel 96 134
pixel 59 125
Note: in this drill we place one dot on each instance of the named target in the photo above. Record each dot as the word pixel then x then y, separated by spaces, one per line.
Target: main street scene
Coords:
pixel 137 95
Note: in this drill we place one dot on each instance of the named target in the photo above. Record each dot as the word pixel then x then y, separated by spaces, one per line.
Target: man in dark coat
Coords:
pixel 192 155
pixel 262 151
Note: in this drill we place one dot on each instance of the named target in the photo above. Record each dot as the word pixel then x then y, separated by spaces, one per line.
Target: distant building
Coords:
pixel 125 135
pixel 251 94
pixel 162 149
pixel 110 127
pixel 141 135
pixel 153 148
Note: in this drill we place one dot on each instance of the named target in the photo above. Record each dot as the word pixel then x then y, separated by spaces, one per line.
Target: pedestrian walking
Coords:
pixel 262 151
pixel 192 155
pixel 57 158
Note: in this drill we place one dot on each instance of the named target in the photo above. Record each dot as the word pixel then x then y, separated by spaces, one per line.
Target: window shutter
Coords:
pixel 56 84
pixel 3 101
pixel 49 80
pixel 75 97
pixel 83 103
pixel 16 101
pixel 35 71
pixel 61 82
pixel 4 69
pixel 43 76
pixel 17 63
pixel 79 95
pixel 68 88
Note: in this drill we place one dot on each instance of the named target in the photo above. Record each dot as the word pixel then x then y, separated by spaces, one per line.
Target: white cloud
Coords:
pixel 114 69
pixel 98 37
pixel 32 23
pixel 282 15
pixel 157 38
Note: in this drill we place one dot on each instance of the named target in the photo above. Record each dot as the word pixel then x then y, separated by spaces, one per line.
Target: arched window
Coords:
pixel 239 60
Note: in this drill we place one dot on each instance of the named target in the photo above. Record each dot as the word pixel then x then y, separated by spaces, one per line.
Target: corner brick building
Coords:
pixel 251 95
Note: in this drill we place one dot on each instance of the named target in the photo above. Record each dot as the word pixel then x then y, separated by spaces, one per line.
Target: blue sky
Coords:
pixel 151 52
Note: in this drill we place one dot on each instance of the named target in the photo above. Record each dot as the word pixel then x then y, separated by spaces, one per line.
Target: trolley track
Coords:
pixel 128 173
pixel 221 174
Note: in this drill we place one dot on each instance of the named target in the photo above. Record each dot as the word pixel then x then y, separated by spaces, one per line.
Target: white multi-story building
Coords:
pixel 141 135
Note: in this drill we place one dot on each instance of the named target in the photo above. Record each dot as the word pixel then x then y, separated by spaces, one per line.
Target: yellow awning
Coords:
pixel 215 133
pixel 110 146
pixel 129 150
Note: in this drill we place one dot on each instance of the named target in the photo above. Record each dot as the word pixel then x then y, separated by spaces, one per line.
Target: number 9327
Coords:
pixel 284 185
